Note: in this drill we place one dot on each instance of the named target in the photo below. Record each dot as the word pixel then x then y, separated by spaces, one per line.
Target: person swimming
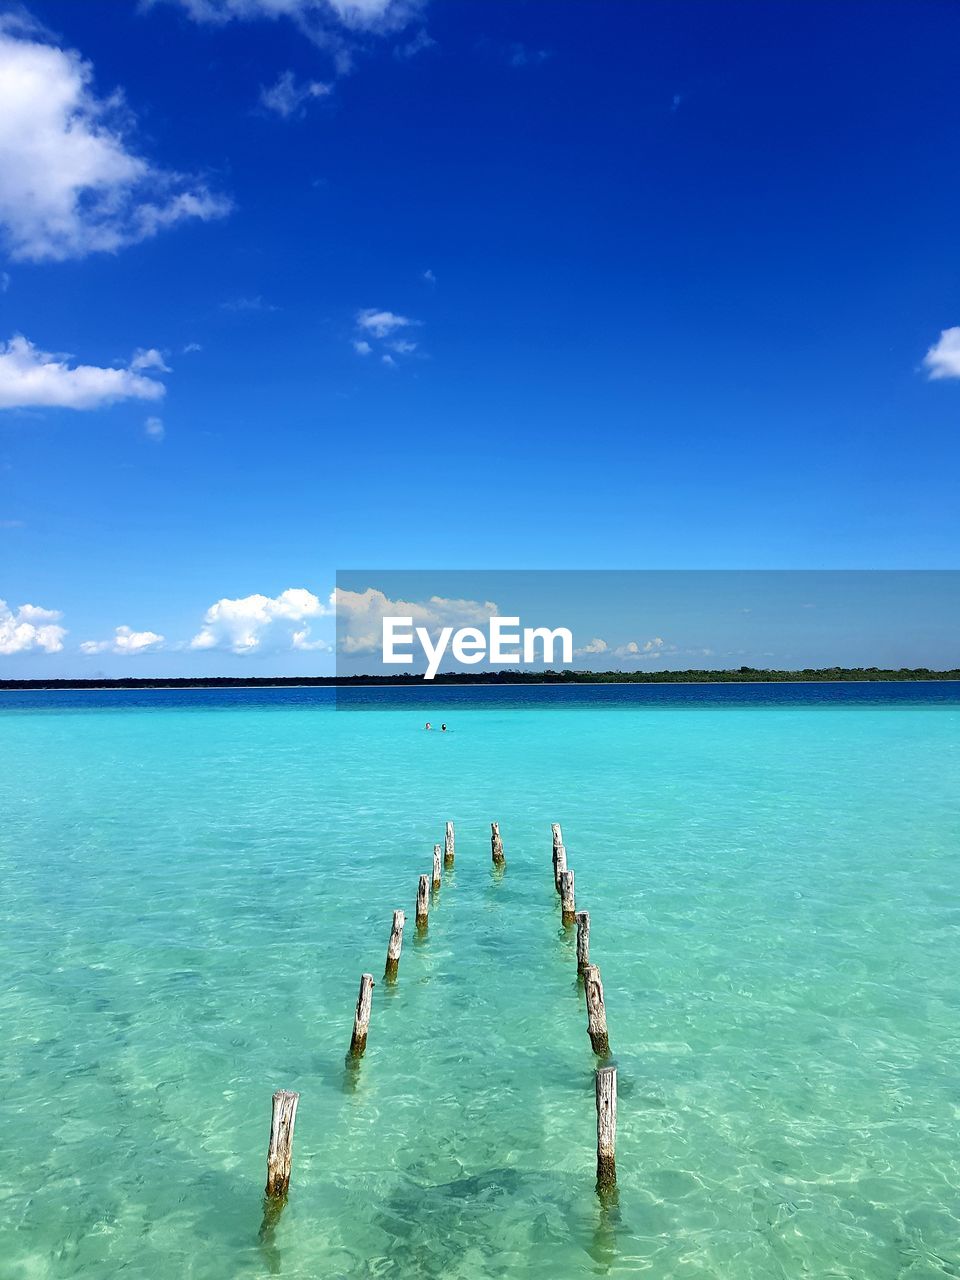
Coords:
pixel 443 728
pixel 428 725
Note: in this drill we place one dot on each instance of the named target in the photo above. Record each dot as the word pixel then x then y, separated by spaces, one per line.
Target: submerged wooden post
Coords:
pixel 361 1020
pixel 280 1153
pixel 559 864
pixel 423 901
pixel 436 866
pixel 394 946
pixel 496 844
pixel 596 1012
pixel 568 902
pixel 606 1128
pixel 583 940
pixel 448 846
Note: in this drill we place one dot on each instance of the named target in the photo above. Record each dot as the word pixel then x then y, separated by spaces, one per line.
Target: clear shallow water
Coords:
pixel 194 883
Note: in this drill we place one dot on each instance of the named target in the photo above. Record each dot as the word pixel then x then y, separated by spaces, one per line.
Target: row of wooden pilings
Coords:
pixel 284 1114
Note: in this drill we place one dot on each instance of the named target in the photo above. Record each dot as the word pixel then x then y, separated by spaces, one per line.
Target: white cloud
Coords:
pixel 30 378
pixel 647 649
pixel 943 358
pixel 253 623
pixel 383 328
pixel 289 96
pixel 125 642
pixel 69 183
pixel 593 646
pixel 316 18
pixel 381 323
pixel 429 276
pixel 241 304
pixel 148 358
pixel 29 628
pixel 154 428
pixel 191 347
pixel 360 616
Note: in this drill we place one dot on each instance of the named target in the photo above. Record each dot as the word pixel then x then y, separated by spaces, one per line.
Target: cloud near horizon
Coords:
pixel 125 642
pixel 35 379
pixel 258 623
pixel 360 616
pixel 30 628
pixel 70 184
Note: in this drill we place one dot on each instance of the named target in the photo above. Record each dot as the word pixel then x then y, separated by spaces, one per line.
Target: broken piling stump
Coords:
pixel 280 1152
pixel 583 940
pixel 361 1020
pixel 596 1011
pixel 394 947
pixel 606 1128
pixel 436 867
pixel 448 849
pixel 568 902
pixel 559 864
pixel 423 902
pixel 496 844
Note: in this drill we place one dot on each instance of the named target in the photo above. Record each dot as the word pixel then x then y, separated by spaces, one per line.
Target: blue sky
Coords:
pixel 643 285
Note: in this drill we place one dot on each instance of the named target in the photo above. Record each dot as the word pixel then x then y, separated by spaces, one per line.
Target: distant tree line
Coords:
pixel 741 675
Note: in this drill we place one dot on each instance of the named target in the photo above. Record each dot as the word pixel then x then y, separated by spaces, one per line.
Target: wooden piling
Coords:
pixel 559 864
pixel 394 947
pixel 280 1152
pixel 423 902
pixel 596 1011
pixel 436 866
pixel 361 1020
pixel 496 844
pixel 568 902
pixel 583 940
pixel 557 835
pixel 448 849
pixel 606 1128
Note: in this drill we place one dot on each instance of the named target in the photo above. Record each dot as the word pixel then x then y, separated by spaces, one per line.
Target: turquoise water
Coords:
pixel 191 889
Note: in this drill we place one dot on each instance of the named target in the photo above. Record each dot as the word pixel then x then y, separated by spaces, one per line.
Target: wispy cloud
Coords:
pixel 380 330
pixel 30 628
pixel 243 305
pixel 642 648
pixel 31 378
pixel 71 184
pixel 943 358
pixel 154 429
pixel 289 96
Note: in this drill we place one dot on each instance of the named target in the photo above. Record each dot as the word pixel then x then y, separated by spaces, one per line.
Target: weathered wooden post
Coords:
pixel 394 947
pixel 436 866
pixel 496 844
pixel 280 1153
pixel 423 902
pixel 568 902
pixel 557 835
pixel 361 1020
pixel 583 940
pixel 559 864
pixel 606 1128
pixel 596 1012
pixel 448 846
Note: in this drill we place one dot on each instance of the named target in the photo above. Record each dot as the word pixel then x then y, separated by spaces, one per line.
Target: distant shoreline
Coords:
pixel 742 675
